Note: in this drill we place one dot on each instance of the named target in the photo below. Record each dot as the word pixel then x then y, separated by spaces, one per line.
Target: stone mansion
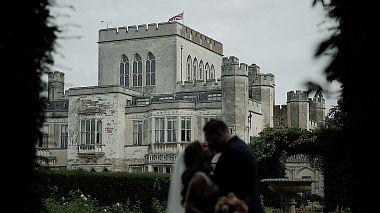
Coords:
pixel 158 84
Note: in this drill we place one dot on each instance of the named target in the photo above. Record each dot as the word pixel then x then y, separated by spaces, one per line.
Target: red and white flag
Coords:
pixel 176 17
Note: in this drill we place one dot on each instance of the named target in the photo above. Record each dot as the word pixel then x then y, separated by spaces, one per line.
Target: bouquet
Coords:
pixel 230 204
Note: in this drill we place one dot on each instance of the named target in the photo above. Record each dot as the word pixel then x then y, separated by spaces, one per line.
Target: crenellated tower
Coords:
pixel 317 109
pixel 298 109
pixel 56 88
pixel 262 90
pixel 235 96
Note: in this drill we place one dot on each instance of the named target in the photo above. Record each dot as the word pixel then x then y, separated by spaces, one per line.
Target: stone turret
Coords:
pixel 317 109
pixel 56 82
pixel 235 96
pixel 298 109
pixel 262 90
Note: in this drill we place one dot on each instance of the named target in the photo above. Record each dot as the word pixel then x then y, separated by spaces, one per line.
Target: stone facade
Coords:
pixel 158 84
pixel 301 111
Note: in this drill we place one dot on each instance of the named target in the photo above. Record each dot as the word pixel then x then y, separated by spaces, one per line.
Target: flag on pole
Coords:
pixel 176 17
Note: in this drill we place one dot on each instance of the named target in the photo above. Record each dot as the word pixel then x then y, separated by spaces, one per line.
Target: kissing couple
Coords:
pixel 231 187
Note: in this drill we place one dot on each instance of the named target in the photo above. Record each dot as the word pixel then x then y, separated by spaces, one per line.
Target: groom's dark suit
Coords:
pixel 236 171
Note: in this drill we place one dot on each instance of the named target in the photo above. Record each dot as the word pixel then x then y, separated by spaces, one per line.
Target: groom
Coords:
pixel 236 170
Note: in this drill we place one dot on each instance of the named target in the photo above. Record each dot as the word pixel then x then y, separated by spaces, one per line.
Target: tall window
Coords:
pixel 200 74
pixel 185 129
pixel 207 119
pixel 63 136
pixel 188 69
pixel 171 129
pixel 195 69
pixel 137 132
pixel 91 131
pixel 150 69
pixel 159 130
pixel 212 72
pixel 207 71
pixel 44 137
pixel 137 71
pixel 124 71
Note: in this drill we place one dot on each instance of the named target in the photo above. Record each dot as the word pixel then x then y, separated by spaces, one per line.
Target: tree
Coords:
pixel 353 63
pixel 325 149
pixel 26 43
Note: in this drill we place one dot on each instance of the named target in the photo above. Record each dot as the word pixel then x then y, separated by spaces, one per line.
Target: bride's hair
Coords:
pixel 195 161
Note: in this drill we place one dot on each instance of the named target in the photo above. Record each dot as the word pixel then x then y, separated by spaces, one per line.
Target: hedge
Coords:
pixel 107 187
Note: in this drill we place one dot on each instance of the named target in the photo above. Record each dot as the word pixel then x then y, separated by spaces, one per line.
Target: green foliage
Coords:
pixel 108 188
pixel 31 38
pixel 79 203
pixel 336 117
pixel 158 206
pixel 271 149
pixel 326 151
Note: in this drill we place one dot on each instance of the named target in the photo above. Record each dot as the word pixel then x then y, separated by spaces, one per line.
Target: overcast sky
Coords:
pixel 278 35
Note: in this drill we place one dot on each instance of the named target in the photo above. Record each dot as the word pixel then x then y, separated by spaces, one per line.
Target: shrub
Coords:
pixel 108 188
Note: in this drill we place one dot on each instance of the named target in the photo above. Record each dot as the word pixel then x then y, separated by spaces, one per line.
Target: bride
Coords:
pixel 190 183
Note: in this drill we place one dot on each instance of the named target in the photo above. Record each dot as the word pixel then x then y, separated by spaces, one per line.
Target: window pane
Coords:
pixel 99 129
pixel 153 79
pixel 87 125
pixel 92 137
pixel 162 124
pixel 139 139
pixel 183 135
pixel 147 65
pixel 188 132
pixel 156 125
pixel 162 135
pixel 183 123
pixel 139 80
pixel 134 80
pixel 188 123
pixel 87 137
pixel 126 68
pixel 140 67
pixel 134 67
pixel 92 125
pixel 156 136
pixel 148 79
pixel 174 136
pixel 169 137
pixel 140 126
pixel 153 66
pixel 126 83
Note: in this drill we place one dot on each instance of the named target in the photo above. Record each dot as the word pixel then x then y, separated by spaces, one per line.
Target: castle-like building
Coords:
pixel 158 84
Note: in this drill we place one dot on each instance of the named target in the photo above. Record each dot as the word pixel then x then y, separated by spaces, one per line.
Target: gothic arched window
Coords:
pixel 200 74
pixel 207 72
pixel 124 71
pixel 188 69
pixel 195 68
pixel 137 71
pixel 150 69
pixel 212 72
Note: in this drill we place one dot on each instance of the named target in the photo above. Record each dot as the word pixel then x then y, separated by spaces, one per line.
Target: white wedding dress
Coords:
pixel 175 187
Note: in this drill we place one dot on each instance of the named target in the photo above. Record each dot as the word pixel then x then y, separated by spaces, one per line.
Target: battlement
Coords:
pixel 231 67
pixel 159 30
pixel 253 69
pixel 261 79
pixel 56 76
pixel 297 96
